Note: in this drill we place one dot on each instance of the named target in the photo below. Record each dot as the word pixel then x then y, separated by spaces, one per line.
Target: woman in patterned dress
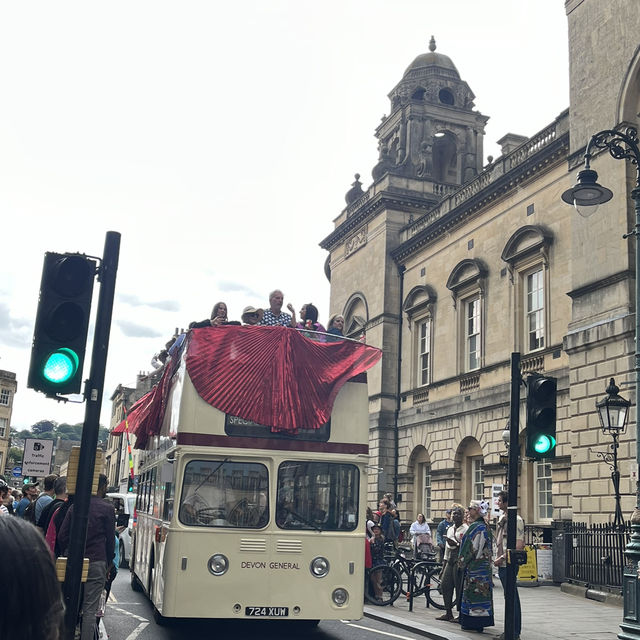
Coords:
pixel 476 609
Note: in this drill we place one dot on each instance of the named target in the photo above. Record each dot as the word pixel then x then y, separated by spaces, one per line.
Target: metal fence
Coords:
pixel 595 554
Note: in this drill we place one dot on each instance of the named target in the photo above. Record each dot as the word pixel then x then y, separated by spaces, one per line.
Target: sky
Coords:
pixel 219 140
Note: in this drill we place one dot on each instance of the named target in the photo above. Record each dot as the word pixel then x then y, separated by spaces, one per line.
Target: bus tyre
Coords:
pixel 135 583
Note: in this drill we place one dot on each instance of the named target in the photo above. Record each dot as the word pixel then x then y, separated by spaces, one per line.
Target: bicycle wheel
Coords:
pixel 383 585
pixel 403 570
pixel 434 591
pixel 421 572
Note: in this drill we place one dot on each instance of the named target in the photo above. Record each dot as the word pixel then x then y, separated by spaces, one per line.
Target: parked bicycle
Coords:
pixel 426 574
pixel 382 585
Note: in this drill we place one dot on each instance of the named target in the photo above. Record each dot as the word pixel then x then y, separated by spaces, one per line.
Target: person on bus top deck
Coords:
pixel 251 316
pixel 335 327
pixel 274 316
pixel 218 317
pixel 309 321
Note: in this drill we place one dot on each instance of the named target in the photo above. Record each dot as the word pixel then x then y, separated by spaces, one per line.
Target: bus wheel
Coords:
pixel 135 583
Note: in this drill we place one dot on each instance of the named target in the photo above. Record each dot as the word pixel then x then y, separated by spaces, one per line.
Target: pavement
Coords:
pixel 547 612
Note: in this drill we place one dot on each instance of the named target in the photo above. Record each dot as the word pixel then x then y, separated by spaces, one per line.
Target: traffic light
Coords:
pixel 541 417
pixel 130 484
pixel 62 322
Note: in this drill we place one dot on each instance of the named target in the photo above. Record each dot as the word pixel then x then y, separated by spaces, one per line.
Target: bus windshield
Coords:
pixel 219 493
pixel 317 495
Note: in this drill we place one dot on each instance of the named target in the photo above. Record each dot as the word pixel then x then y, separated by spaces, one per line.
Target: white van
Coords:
pixel 124 504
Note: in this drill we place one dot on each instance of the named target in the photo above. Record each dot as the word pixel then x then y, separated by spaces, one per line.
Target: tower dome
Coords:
pixel 426 61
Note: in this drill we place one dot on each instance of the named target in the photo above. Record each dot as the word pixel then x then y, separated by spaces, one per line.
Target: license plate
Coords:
pixel 266 612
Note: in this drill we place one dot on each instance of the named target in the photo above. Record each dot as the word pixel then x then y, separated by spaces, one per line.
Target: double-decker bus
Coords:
pixel 235 519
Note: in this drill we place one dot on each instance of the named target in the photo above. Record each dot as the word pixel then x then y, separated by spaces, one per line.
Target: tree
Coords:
pixel 14 456
pixel 43 426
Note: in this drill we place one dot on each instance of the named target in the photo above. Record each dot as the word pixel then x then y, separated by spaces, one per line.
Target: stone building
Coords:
pixel 450 265
pixel 8 388
pixel 117 453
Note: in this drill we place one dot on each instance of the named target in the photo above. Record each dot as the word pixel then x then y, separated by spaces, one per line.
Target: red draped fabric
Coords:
pixel 270 375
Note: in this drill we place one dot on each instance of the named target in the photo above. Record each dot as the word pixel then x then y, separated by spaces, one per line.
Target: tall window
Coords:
pixel 426 498
pixel 472 330
pixel 477 479
pixel 5 397
pixel 544 492
pixel 535 310
pixel 424 352
pixel 3 428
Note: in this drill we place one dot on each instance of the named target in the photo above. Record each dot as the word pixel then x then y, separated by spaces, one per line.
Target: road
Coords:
pixel 129 617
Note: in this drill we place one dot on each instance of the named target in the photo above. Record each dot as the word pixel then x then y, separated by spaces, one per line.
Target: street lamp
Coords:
pixel 613 411
pixel 587 193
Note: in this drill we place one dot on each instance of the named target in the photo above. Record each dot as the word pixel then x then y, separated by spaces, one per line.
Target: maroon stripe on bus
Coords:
pixel 208 440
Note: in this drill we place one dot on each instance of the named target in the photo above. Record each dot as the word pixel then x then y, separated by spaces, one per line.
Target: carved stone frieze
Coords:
pixel 355 242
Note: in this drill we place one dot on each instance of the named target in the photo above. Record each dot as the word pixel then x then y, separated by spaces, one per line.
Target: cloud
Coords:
pixel 228 286
pixel 133 330
pixel 14 332
pixel 162 305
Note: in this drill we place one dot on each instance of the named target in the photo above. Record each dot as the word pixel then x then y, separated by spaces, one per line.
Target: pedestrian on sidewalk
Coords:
pixel 476 548
pixel 441 532
pixel 500 561
pixel 451 572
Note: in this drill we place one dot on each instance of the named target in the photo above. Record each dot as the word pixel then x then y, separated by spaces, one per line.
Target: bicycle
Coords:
pixel 426 575
pixel 388 580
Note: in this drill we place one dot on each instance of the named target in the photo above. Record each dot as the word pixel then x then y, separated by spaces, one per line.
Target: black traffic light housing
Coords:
pixel 62 322
pixel 541 416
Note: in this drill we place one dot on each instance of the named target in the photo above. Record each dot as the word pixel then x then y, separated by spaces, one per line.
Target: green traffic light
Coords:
pixel 543 443
pixel 60 366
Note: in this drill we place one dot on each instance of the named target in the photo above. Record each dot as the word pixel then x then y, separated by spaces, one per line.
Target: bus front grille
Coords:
pixel 253 545
pixel 289 546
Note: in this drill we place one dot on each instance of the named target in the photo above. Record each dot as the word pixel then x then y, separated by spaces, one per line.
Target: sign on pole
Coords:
pixel 16 472
pixel 36 460
pixel 495 490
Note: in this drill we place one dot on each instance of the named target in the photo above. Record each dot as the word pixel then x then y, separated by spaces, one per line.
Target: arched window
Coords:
pixel 422 479
pixel 466 283
pixel 472 465
pixel 445 158
pixel 356 315
pixel 419 306
pixel 527 256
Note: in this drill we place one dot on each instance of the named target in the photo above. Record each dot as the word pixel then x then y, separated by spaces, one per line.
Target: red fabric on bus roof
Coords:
pixel 270 375
pixel 273 375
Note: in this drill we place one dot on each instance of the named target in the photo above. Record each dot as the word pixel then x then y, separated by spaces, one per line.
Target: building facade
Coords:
pixel 8 388
pixel 450 265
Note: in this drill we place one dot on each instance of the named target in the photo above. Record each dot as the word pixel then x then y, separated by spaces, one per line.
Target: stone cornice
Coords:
pixel 368 206
pixel 549 156
pixel 600 284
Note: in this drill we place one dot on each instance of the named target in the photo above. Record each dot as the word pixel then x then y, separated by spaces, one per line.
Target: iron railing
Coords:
pixel 595 553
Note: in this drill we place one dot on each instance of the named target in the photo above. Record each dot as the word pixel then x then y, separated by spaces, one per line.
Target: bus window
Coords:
pixel 219 493
pixel 317 495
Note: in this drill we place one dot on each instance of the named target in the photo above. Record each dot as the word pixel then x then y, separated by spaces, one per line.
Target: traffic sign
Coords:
pixel 16 472
pixel 36 459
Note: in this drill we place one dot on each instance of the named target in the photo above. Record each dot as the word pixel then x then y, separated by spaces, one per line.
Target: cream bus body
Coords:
pixel 275 528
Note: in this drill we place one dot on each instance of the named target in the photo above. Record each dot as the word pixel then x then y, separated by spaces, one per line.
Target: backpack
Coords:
pixel 30 512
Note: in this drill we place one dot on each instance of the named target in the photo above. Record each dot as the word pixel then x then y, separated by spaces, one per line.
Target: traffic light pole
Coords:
pixel 512 508
pixel 89 442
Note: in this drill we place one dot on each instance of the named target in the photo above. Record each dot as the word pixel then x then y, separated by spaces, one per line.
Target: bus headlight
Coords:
pixel 340 597
pixel 218 564
pixel 319 567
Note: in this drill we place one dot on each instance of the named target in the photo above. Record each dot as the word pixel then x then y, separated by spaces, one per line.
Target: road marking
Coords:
pixel 128 613
pixel 383 633
pixel 137 631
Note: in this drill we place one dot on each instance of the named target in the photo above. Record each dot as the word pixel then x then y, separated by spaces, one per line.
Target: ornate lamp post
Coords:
pixel 586 195
pixel 613 411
